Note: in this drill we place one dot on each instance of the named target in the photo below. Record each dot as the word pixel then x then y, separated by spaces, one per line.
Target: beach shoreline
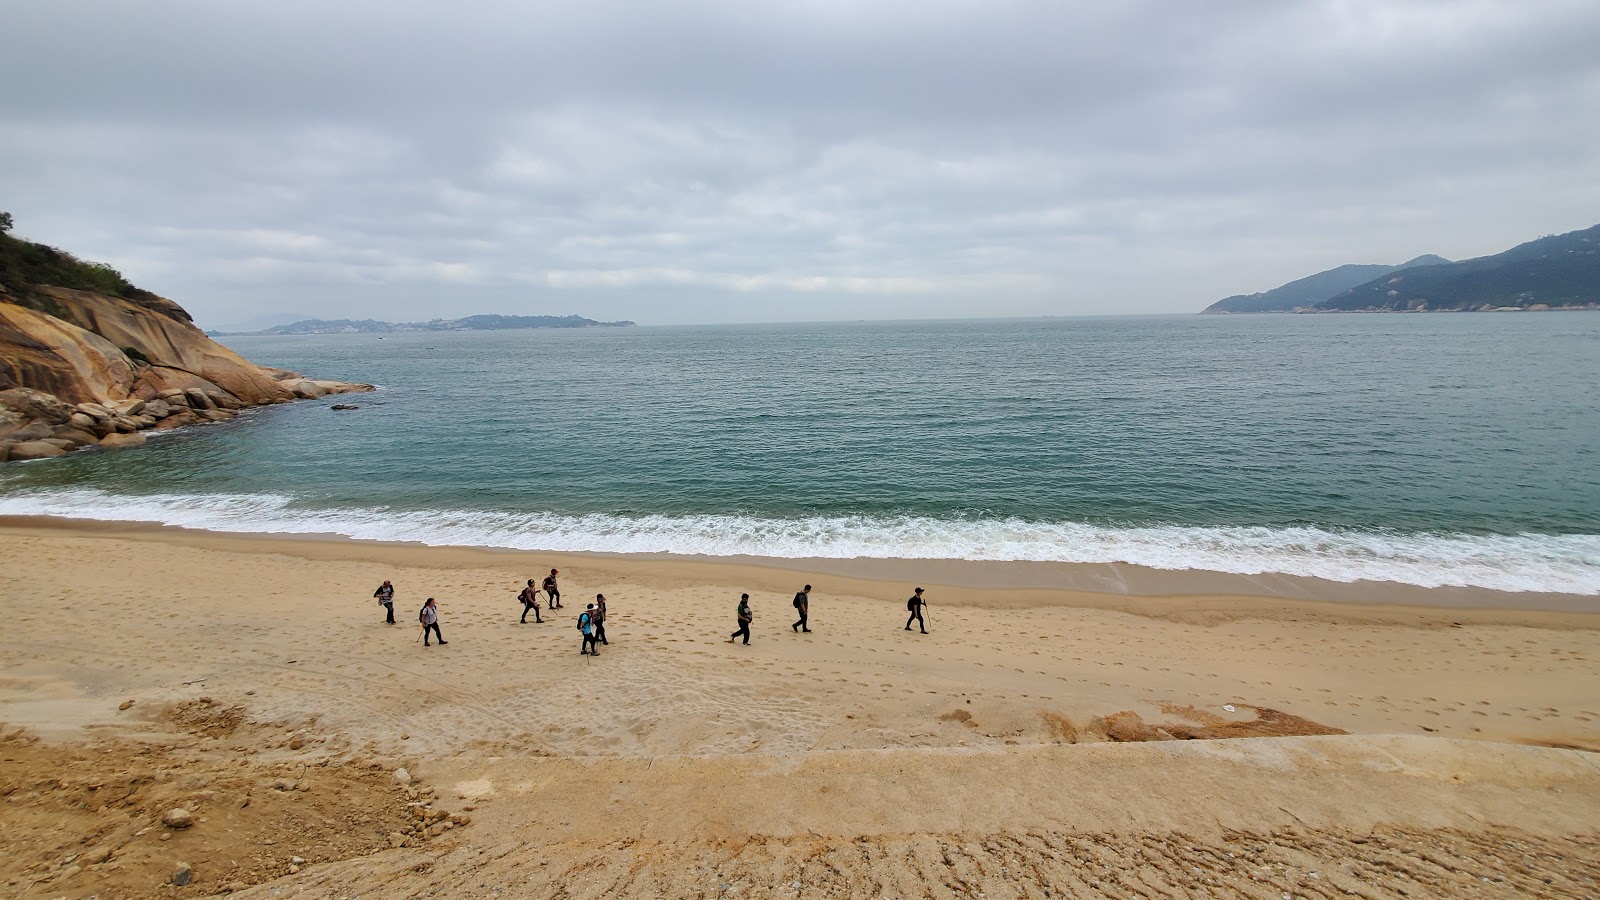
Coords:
pixel 1027 582
pixel 251 681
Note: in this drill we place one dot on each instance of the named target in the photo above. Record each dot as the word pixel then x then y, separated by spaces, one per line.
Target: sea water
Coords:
pixel 1431 449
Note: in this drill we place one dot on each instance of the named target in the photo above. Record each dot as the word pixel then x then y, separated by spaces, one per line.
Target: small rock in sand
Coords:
pixel 402 776
pixel 124 705
pixel 182 875
pixel 177 817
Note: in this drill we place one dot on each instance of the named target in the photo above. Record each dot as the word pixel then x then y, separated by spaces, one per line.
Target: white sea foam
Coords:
pixel 1523 562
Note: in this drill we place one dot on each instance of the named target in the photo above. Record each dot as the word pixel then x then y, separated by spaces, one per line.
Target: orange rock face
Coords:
pixel 95 349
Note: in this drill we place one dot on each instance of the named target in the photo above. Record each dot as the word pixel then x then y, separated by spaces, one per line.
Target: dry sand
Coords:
pixel 1025 748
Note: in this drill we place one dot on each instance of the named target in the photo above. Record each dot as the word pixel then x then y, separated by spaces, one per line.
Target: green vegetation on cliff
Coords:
pixel 25 265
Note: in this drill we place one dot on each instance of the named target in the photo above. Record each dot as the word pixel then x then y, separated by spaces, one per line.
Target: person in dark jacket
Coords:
pixel 550 588
pixel 802 604
pixel 530 600
pixel 600 619
pixel 914 605
pixel 744 619
pixel 385 595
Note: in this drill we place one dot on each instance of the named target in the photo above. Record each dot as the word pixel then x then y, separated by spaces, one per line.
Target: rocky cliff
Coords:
pixel 80 367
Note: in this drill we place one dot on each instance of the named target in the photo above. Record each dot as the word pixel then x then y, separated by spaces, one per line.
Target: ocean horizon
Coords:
pixel 1426 450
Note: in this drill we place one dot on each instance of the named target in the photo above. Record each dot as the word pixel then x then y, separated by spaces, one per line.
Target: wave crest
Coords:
pixel 1521 562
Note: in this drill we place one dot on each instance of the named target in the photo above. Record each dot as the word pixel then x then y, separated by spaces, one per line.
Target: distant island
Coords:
pixel 470 323
pixel 1553 272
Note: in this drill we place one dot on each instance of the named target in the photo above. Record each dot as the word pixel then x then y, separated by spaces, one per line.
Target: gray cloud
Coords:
pixel 711 161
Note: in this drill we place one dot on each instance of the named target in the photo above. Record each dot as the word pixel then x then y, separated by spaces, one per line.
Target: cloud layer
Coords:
pixel 713 161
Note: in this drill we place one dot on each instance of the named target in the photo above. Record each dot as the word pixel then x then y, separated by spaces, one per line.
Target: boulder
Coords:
pixel 35 450
pixel 82 421
pixel 36 405
pixel 177 420
pixel 306 389
pixel 33 431
pixel 63 443
pixel 124 424
pixel 129 407
pixel 343 387
pixel 217 415
pixel 95 411
pixel 117 441
pixel 5 451
pixel 198 399
pixel 77 436
pixel 158 409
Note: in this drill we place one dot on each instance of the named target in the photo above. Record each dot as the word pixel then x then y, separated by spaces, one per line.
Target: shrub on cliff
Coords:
pixel 24 264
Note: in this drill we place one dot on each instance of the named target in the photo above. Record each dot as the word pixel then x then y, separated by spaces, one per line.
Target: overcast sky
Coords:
pixel 700 161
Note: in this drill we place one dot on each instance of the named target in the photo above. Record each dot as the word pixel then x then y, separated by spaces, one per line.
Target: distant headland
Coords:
pixel 1560 271
pixel 470 323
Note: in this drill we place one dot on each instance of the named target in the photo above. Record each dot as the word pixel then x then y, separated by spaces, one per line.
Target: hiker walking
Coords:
pixel 600 619
pixel 429 617
pixel 745 615
pixel 530 600
pixel 550 588
pixel 385 595
pixel 586 625
pixel 914 605
pixel 802 602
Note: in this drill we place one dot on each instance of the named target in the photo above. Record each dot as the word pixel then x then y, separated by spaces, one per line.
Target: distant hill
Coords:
pixel 470 323
pixel 1553 272
pixel 1313 289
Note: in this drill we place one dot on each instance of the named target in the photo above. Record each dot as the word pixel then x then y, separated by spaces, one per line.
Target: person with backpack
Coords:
pixel 385 595
pixel 550 588
pixel 745 615
pixel 914 606
pixel 600 619
pixel 530 600
pixel 802 603
pixel 428 615
pixel 586 625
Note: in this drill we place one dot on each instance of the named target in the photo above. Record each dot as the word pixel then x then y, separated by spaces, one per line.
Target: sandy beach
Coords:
pixel 1040 741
